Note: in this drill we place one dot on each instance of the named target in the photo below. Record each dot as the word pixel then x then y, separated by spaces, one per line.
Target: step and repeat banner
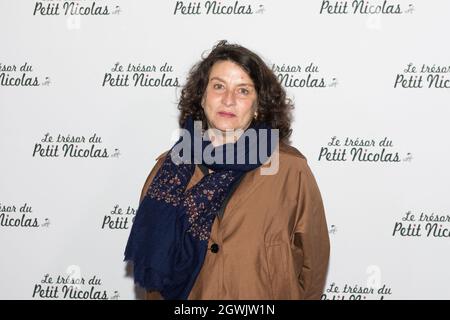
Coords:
pixel 88 100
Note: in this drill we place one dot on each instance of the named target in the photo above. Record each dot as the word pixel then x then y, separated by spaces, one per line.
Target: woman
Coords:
pixel 213 222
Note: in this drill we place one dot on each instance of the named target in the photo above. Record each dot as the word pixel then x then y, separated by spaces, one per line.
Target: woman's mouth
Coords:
pixel 226 114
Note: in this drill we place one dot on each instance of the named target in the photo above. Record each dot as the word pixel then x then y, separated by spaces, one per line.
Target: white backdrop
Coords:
pixel 88 93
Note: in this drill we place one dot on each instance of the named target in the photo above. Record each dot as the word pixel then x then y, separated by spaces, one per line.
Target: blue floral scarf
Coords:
pixel 169 237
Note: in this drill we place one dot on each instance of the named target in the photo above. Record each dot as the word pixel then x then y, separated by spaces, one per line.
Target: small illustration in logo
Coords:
pixel 408 157
pixel 334 82
pixel 46 82
pixel 46 223
pixel 333 229
pixel 410 9
pixel 117 10
pixel 116 153
pixel 260 9
pixel 115 296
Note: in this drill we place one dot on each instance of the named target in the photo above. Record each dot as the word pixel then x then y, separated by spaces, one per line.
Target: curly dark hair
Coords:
pixel 273 106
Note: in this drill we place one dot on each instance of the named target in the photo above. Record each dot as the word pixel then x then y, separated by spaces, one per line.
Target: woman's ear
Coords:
pixel 202 102
pixel 255 110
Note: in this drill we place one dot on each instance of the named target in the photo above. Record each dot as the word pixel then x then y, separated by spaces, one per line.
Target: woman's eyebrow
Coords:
pixel 239 84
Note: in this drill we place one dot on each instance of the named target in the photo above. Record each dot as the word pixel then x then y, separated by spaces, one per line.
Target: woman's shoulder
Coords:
pixel 290 157
pixel 292 163
pixel 294 167
pixel 162 155
pixel 290 151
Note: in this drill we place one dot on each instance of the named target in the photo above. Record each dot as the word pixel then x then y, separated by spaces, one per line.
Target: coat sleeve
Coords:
pixel 310 239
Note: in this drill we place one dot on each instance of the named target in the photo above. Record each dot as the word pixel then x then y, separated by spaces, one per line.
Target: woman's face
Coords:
pixel 229 101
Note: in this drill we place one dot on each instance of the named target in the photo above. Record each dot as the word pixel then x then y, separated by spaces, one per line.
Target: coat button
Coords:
pixel 214 248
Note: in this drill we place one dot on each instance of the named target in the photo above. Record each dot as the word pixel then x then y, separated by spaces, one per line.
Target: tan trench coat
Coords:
pixel 272 238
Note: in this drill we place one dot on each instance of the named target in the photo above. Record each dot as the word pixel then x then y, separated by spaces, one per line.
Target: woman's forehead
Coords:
pixel 228 70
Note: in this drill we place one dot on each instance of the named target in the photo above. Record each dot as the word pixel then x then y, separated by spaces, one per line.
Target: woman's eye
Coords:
pixel 244 91
pixel 217 86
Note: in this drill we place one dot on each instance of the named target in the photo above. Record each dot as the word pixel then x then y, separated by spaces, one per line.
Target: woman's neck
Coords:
pixel 219 137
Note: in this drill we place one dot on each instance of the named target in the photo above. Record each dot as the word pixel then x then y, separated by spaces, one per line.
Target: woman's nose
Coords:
pixel 229 98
